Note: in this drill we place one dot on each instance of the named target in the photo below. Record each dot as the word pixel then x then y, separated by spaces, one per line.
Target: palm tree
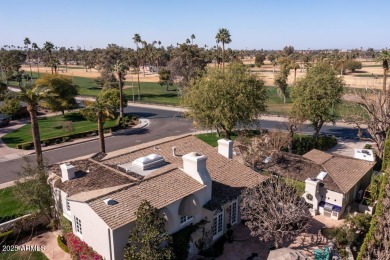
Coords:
pixel 295 66
pixel 48 46
pixel 36 48
pixel 120 69
pixel 137 40
pixel 192 38
pixel 32 95
pixel 100 112
pixel 384 57
pixel 223 36
pixel 27 42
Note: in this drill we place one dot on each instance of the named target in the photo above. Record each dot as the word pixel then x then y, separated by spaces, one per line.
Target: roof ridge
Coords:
pixel 111 192
pixel 113 169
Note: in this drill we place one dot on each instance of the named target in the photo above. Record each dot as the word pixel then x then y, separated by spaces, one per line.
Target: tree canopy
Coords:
pixel 317 95
pixel 111 97
pixel 63 92
pixel 224 98
pixel 148 238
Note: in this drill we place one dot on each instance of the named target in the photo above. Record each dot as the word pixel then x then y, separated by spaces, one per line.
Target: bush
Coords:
pixel 65 138
pixel 57 141
pixel 367 146
pixel 353 65
pixel 27 146
pixel 79 249
pixel 304 143
pixel 61 243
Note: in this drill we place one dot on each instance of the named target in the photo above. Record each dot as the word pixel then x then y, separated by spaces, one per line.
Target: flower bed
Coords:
pixel 79 249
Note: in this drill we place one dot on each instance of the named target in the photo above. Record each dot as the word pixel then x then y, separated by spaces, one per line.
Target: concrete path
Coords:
pixel 48 241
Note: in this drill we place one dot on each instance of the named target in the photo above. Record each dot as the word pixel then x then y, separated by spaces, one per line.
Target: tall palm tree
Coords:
pixel 27 42
pixel 32 95
pixel 48 46
pixel 100 112
pixel 223 36
pixel 36 49
pixel 295 66
pixel 384 57
pixel 137 40
pixel 120 68
pixel 192 38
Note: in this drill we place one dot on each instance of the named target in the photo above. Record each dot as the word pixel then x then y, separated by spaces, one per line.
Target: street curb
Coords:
pixel 133 130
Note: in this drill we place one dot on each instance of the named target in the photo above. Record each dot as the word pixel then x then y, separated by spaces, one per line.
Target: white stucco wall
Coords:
pixel 65 212
pixel 94 231
pixel 332 197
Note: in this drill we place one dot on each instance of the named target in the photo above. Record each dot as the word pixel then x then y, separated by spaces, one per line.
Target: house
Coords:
pixel 332 181
pixel 185 178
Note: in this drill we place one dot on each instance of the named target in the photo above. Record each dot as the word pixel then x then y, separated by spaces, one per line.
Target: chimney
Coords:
pixel 225 148
pixel 67 171
pixel 312 194
pixel 194 164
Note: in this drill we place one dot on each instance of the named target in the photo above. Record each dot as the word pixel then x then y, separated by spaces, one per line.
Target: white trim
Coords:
pixel 231 212
pixel 78 226
pixel 188 220
pixel 218 223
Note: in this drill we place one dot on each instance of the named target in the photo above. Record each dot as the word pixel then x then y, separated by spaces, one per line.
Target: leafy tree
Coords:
pixel 99 112
pixel 288 50
pixel 274 211
pixel 107 60
pixel 223 36
pixel 111 97
pixel 188 63
pixel 316 96
pixel 33 95
pixel 11 61
pixel 32 188
pixel 165 77
pixel 224 98
pixel 3 90
pixel 282 77
pixel 63 92
pixel 10 107
pixel 353 65
pixel 192 38
pixel 148 239
pixel 259 59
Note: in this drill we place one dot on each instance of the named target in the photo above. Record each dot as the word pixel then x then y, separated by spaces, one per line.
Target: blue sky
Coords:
pixel 270 24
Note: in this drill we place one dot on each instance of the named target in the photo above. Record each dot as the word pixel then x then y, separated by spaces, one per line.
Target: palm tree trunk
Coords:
pixel 223 55
pixel 295 76
pixel 32 110
pixel 120 95
pixel 139 87
pixel 101 135
pixel 384 79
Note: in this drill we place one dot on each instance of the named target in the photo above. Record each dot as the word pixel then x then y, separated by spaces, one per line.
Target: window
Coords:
pixel 217 227
pixel 233 212
pixel 77 223
pixel 185 219
pixel 67 205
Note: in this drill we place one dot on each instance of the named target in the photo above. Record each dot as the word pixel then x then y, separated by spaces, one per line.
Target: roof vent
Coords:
pixel 267 160
pixel 67 171
pixel 321 175
pixel 110 201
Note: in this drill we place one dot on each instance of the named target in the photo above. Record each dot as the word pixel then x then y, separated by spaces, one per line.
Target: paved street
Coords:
pixel 163 123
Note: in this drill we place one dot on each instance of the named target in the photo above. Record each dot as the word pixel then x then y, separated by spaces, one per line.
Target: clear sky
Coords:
pixel 253 24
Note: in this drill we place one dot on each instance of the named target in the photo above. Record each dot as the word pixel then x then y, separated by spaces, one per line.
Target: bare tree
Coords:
pixel 377 117
pixel 256 148
pixel 274 211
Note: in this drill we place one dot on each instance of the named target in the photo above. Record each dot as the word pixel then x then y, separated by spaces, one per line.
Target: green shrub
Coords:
pixel 27 146
pixel 367 146
pixel 61 244
pixel 66 138
pixel 304 143
pixel 180 242
pixel 46 142
pixel 57 141
pixel 19 146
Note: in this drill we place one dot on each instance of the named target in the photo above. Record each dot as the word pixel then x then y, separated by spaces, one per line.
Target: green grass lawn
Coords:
pixel 10 207
pixel 369 75
pixel 51 127
pixel 212 138
pixel 22 255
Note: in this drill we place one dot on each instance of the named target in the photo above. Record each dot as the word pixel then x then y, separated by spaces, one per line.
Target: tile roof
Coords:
pixel 343 170
pixel 90 175
pixel 159 190
pixel 298 168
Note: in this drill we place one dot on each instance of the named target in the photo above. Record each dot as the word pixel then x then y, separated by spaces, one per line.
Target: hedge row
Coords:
pixel 305 143
pixel 370 236
pixel 65 138
pixel 61 244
